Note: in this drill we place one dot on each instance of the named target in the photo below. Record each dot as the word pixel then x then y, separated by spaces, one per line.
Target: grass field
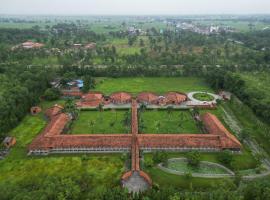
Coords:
pixel 157 121
pixel 93 122
pixel 159 85
pixel 105 170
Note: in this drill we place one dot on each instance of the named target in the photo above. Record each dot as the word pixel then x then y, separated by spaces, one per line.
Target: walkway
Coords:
pixel 135 182
pixel 198 102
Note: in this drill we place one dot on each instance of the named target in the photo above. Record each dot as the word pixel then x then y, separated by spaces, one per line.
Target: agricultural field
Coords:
pixel 94 122
pixel 158 85
pixel 162 121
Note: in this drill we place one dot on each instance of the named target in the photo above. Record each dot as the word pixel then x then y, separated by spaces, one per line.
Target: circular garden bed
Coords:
pixel 203 96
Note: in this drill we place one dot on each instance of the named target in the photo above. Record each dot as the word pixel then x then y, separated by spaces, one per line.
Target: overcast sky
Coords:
pixel 134 7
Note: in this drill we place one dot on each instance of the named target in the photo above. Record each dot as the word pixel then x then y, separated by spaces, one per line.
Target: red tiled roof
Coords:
pixel 92 96
pixel 121 97
pixel 175 97
pixel 147 97
pixel 215 127
pixel 56 109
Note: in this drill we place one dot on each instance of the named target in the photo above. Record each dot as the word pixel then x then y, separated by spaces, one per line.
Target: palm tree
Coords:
pixel 91 124
pixel 71 108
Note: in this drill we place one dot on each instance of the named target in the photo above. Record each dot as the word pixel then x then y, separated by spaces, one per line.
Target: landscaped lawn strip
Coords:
pixel 94 122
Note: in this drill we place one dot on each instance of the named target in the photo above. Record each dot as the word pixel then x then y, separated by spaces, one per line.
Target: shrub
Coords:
pixel 193 158
pixel 52 94
pixel 226 157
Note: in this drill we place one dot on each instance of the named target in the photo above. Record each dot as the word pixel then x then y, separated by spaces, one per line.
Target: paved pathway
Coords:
pixel 135 183
pixel 200 175
pixel 196 101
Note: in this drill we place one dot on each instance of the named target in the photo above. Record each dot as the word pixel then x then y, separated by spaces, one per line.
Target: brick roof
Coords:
pixel 147 97
pixel 92 96
pixel 56 109
pixel 121 97
pixel 175 97
pixel 215 127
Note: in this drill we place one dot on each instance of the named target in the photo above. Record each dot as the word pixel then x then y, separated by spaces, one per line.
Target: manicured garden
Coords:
pixel 203 97
pixel 159 85
pixel 94 122
pixel 182 166
pixel 166 121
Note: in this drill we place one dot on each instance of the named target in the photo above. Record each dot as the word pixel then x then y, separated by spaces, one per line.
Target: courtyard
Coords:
pixel 101 122
pixel 168 121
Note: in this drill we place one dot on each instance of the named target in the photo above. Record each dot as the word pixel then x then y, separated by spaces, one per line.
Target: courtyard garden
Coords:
pixel 107 121
pixel 203 96
pixel 167 121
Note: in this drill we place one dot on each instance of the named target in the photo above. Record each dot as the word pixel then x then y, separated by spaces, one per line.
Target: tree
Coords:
pixel 225 157
pixel 52 94
pixel 71 108
pixel 160 157
pixel 88 83
pixel 193 158
pixel 141 42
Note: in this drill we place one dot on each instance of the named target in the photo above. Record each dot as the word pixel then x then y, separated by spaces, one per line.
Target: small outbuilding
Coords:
pixel 35 110
pixel 9 142
pixel 175 97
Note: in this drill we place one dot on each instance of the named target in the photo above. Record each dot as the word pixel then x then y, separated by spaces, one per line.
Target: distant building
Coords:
pixel 76 83
pixel 91 45
pixel 9 142
pixel 31 45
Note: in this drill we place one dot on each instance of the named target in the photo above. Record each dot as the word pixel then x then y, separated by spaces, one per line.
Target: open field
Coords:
pixel 93 122
pixel 162 121
pixel 159 85
pixel 101 170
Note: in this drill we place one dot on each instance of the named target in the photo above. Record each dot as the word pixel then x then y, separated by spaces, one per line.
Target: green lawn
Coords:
pixel 159 85
pixel 93 122
pixel 242 161
pixel 164 179
pixel 104 170
pixel 162 121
